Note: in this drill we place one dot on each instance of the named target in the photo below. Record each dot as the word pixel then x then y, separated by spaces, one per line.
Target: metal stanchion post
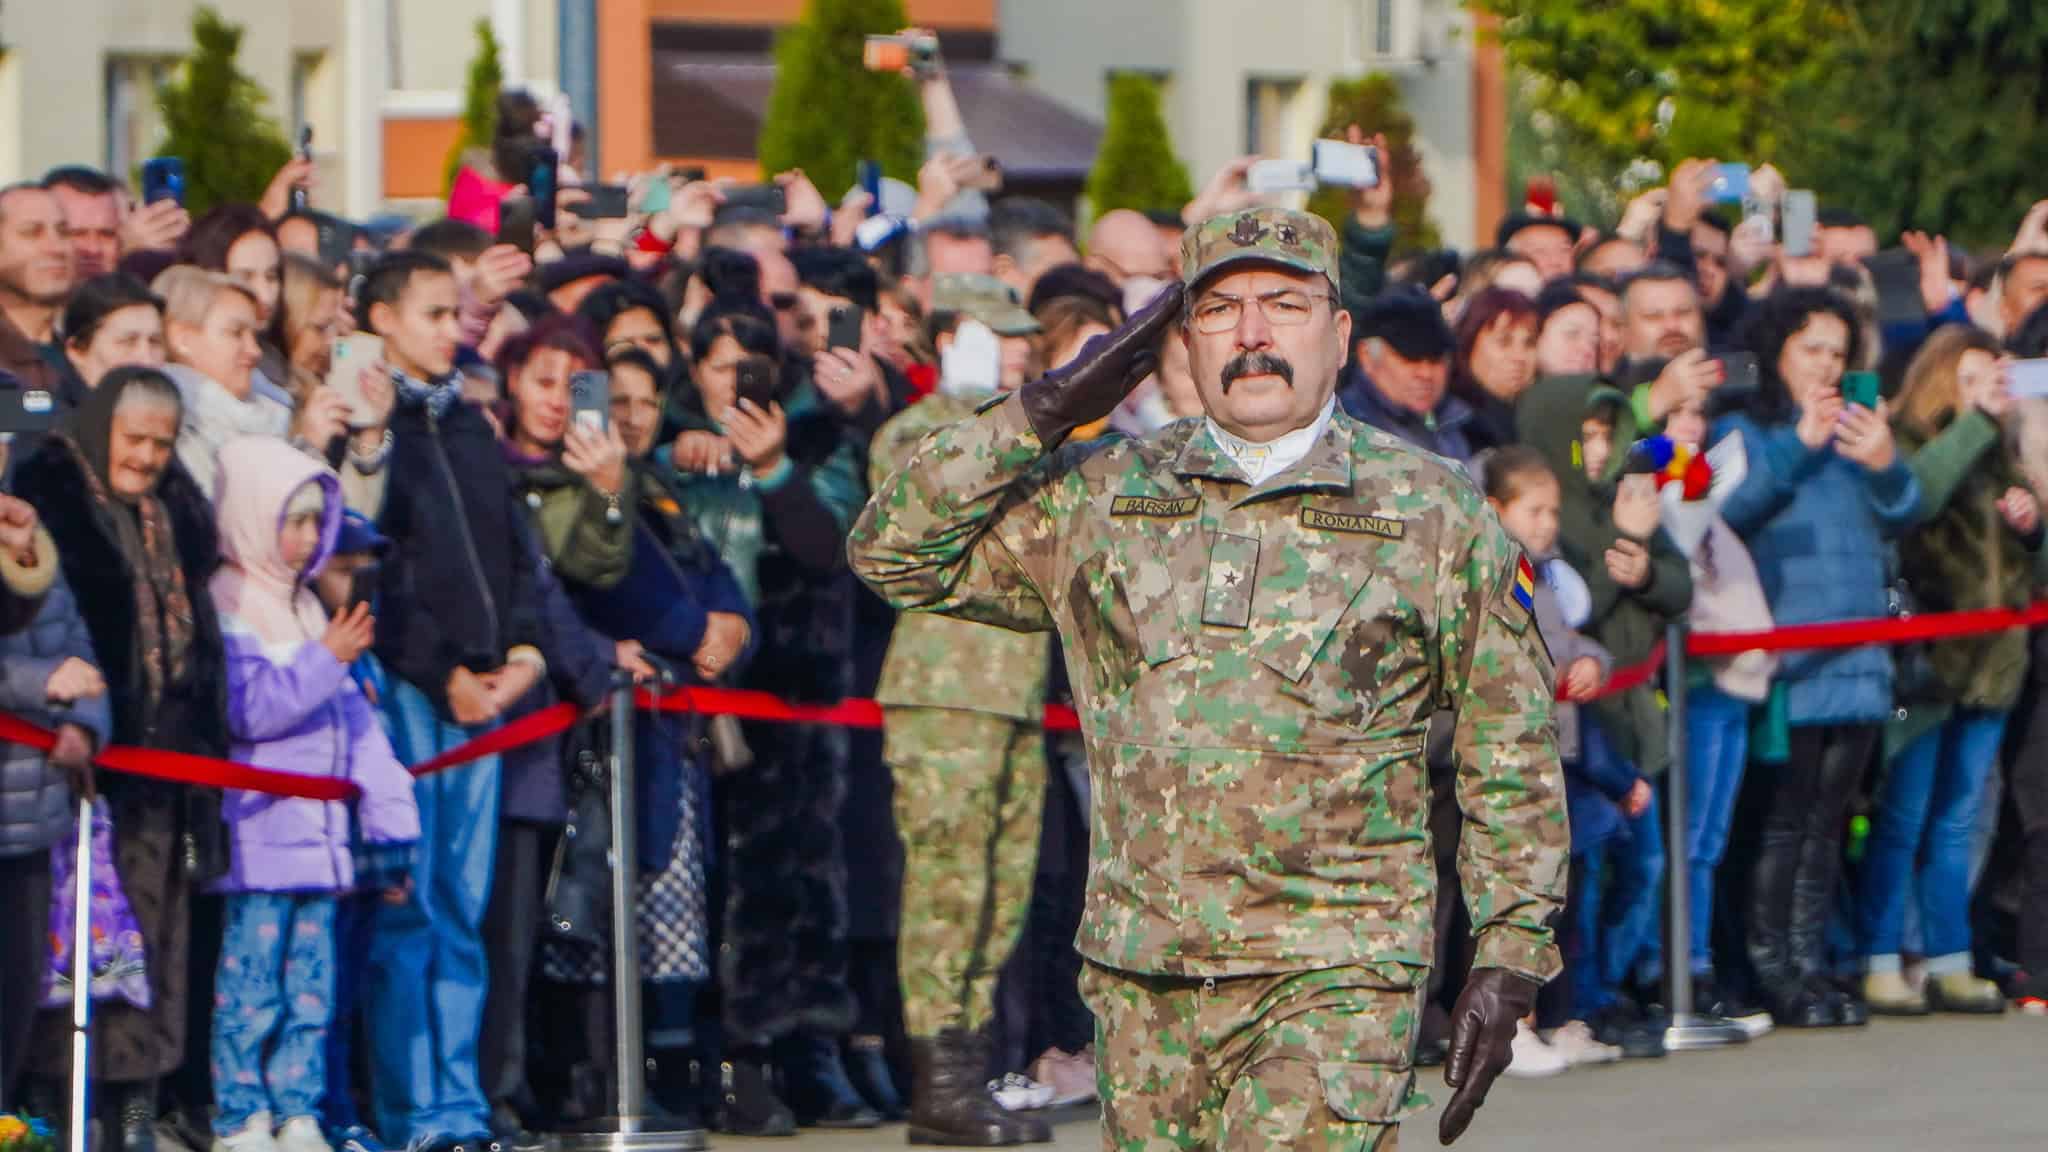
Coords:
pixel 1686 1032
pixel 631 1129
pixel 81 981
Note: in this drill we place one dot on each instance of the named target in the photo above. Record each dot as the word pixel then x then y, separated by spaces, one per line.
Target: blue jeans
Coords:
pixel 1926 816
pixel 426 981
pixel 270 1008
pixel 1590 993
pixel 1633 907
pixel 1717 745
pixel 353 915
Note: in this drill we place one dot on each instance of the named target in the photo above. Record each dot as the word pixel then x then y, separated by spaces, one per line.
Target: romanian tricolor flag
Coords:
pixel 1525 584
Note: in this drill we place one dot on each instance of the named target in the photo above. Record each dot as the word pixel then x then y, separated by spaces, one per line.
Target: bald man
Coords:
pixel 1126 244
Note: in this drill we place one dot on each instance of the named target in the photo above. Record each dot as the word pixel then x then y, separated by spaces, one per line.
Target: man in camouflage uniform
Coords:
pixel 1261 609
pixel 962 706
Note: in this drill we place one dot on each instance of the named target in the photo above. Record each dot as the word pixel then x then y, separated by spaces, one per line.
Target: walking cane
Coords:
pixel 81 976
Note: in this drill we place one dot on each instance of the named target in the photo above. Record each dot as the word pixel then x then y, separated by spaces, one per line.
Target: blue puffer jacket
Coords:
pixel 1820 529
pixel 35 803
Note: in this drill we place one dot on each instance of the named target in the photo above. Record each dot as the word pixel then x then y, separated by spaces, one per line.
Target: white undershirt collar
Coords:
pixel 1261 462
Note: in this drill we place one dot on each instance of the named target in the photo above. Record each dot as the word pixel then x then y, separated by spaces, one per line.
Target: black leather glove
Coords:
pixel 1482 1028
pixel 1104 372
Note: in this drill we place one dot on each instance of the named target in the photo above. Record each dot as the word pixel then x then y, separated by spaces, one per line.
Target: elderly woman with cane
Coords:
pixel 137 543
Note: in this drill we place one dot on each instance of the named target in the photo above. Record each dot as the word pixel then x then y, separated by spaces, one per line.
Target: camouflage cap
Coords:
pixel 1279 236
pixel 986 299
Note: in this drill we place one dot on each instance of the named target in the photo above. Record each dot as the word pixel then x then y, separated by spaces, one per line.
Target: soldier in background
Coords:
pixel 1261 610
pixel 962 709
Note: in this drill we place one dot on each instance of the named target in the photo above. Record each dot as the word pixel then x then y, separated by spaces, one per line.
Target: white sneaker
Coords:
pixel 302 1134
pixel 1020 1093
pixel 1531 1058
pixel 1576 1043
pixel 253 1137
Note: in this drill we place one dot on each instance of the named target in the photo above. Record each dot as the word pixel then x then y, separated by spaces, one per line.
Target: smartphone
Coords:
pixel 298 198
pixel 1346 165
pixel 661 190
pixel 756 375
pixel 843 330
pixel 1860 389
pixel 516 223
pixel 362 586
pixel 1796 219
pixel 869 175
pixel 606 202
pixel 690 174
pixel 542 182
pixel 1268 176
pixel 2027 379
pixel 354 354
pixel 1738 370
pixel 985 176
pixel 335 238
pixel 1730 184
pixel 590 400
pixel 1896 272
pixel 766 198
pixel 25 409
pixel 163 178
pixel 895 53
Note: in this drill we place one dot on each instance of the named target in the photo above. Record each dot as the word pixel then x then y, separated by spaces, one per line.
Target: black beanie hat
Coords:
pixel 1411 322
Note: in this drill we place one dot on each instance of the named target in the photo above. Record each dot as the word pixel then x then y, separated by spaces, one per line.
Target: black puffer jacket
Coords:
pixel 457 591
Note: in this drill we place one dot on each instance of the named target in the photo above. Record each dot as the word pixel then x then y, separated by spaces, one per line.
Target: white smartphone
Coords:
pixel 1348 165
pixel 353 355
pixel 1268 176
pixel 1797 221
pixel 2027 379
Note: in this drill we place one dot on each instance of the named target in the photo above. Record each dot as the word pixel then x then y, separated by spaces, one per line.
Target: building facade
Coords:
pixel 1252 76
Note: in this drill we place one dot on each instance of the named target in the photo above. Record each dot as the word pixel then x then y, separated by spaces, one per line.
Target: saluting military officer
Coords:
pixel 1261 609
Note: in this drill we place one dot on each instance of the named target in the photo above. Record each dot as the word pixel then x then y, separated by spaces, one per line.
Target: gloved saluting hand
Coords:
pixel 1482 1028
pixel 1105 371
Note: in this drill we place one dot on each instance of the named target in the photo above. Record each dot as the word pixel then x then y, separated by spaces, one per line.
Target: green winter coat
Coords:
pixel 1627 621
pixel 1963 557
pixel 586 536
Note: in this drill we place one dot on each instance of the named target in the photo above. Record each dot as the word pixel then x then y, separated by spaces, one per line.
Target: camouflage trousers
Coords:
pixel 1302 1060
pixel 969 791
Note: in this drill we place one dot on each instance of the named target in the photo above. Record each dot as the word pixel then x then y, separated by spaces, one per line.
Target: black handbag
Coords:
pixel 579 893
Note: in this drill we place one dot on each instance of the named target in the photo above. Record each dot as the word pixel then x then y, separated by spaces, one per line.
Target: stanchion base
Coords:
pixel 627 1134
pixel 1687 1034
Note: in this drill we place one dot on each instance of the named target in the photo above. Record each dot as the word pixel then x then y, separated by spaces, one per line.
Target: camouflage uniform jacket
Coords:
pixel 937 661
pixel 1255 670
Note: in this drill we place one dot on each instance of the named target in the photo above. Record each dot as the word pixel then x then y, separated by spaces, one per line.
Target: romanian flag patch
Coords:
pixel 1518 607
pixel 1525 584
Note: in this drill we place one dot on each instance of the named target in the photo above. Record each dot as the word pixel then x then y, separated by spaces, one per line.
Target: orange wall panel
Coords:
pixel 979 14
pixel 625 80
pixel 415 153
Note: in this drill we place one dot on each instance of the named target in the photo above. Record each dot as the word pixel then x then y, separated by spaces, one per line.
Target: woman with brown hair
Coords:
pixel 1978 546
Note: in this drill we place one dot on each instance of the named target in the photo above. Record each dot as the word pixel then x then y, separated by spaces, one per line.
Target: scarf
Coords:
pixel 437 399
pixel 142 531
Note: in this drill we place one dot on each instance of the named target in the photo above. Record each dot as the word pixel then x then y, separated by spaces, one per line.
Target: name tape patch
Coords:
pixel 1154 506
pixel 1384 526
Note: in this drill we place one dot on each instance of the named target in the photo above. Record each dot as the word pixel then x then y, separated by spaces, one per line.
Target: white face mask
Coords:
pixel 973 362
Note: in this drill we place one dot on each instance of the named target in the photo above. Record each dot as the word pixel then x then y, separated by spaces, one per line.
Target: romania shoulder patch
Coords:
pixel 1525 584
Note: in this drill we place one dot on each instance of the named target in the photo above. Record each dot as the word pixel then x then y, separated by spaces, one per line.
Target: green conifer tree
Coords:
pixel 216 120
pixel 828 112
pixel 479 101
pixel 1136 167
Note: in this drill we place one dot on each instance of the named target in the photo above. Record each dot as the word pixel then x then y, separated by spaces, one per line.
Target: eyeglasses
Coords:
pixel 1218 313
pixel 783 301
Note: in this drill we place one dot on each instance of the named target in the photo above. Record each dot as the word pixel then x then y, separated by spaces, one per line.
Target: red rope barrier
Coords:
pixel 204 771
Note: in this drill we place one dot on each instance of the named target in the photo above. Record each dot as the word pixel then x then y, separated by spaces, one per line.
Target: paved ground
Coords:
pixel 1925 1086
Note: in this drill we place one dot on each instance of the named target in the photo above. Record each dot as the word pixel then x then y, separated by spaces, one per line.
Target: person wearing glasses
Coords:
pixel 1261 610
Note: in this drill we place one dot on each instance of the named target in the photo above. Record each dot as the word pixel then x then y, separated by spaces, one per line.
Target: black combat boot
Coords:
pixel 747 1101
pixel 815 1084
pixel 949 1100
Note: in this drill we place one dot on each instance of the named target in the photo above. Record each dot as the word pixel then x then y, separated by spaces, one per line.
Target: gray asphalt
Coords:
pixel 1924 1085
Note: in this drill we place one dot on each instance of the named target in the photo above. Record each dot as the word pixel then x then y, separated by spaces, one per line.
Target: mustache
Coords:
pixel 1256 364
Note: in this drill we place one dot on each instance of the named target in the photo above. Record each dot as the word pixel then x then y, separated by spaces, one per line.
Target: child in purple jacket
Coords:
pixel 292 707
